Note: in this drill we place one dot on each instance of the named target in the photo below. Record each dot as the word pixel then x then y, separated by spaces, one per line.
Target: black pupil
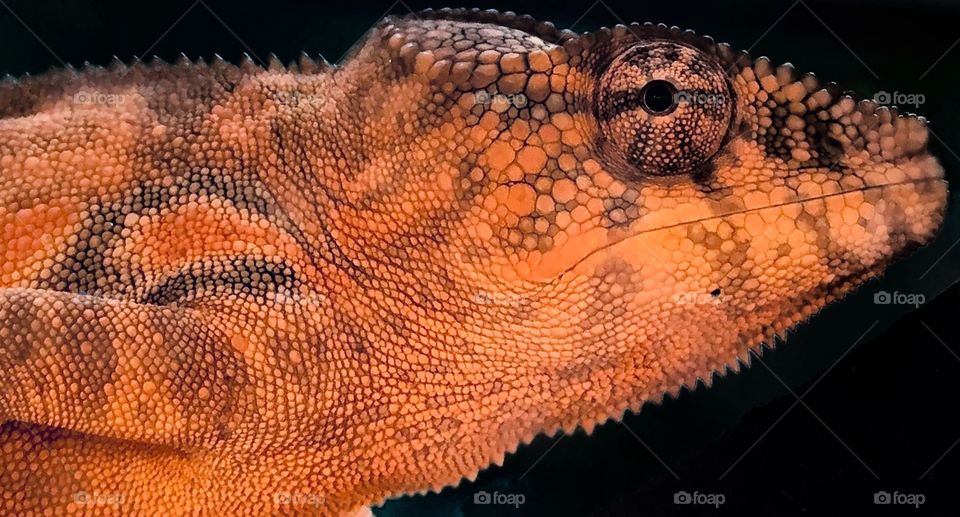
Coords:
pixel 659 97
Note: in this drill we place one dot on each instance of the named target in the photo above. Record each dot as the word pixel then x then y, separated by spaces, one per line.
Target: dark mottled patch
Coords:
pixel 196 355
pixel 703 175
pixel 90 270
pixel 603 304
pixel 238 276
pixel 27 345
pixel 825 150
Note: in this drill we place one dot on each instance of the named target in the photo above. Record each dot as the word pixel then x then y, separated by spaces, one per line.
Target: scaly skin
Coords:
pixel 303 290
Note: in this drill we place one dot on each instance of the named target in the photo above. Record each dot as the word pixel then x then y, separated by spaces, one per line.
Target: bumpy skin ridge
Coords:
pixel 303 289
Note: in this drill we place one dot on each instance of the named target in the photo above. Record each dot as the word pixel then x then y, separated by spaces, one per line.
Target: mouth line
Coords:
pixel 739 212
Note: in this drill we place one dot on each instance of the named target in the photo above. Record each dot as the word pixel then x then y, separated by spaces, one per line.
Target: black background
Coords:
pixel 880 411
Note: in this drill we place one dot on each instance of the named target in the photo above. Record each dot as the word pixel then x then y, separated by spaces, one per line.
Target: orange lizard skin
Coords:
pixel 305 289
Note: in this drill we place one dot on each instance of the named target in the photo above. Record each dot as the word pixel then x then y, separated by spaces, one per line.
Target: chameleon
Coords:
pixel 306 288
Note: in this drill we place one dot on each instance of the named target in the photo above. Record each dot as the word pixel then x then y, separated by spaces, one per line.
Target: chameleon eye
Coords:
pixel 663 109
pixel 659 97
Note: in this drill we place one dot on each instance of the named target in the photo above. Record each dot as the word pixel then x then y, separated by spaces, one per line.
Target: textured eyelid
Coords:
pixel 733 129
pixel 642 142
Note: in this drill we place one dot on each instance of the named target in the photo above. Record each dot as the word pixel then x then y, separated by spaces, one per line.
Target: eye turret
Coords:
pixel 663 109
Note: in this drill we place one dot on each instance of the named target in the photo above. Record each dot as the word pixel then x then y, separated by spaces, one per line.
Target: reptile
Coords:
pixel 307 288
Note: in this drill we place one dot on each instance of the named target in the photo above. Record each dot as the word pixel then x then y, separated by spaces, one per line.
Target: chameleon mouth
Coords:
pixel 934 217
pixel 783 204
pixel 772 322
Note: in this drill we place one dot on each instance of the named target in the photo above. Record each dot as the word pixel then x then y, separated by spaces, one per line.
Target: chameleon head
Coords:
pixel 641 206
pixel 733 198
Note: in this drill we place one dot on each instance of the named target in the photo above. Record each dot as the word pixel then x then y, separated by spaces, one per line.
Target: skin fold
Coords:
pixel 304 289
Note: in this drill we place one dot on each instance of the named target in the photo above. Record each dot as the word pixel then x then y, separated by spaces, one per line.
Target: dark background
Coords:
pixel 880 411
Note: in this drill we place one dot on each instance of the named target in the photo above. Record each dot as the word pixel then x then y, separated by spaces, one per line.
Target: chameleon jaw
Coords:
pixel 585 263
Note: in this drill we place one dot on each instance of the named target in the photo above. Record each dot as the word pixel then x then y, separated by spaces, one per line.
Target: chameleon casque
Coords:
pixel 341 284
